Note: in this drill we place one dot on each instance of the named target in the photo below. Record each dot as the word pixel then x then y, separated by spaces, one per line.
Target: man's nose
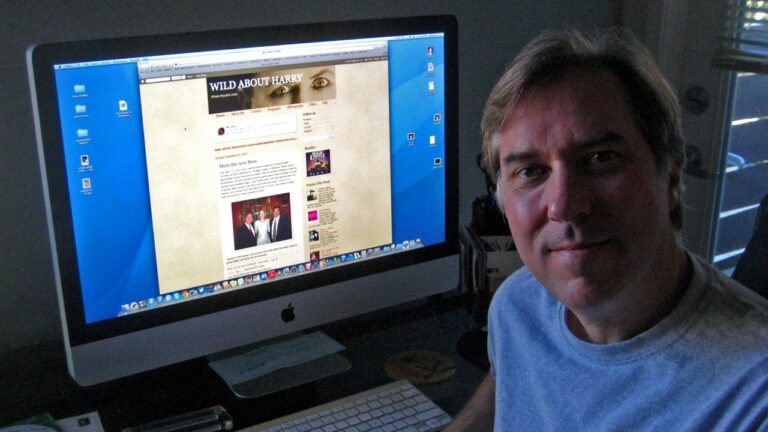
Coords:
pixel 567 196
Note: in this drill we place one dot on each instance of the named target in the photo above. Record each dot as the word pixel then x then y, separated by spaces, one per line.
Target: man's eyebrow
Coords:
pixel 518 156
pixel 582 145
pixel 606 138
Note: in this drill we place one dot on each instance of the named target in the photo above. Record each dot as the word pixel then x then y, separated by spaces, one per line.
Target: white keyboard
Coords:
pixel 398 406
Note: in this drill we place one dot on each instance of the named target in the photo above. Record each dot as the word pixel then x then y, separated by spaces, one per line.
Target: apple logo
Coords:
pixel 287 314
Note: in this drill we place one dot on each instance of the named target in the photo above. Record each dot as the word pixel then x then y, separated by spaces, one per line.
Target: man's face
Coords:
pixel 586 204
pixel 275 212
pixel 249 218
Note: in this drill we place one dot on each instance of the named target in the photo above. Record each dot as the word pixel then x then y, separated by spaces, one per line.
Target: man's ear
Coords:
pixel 675 186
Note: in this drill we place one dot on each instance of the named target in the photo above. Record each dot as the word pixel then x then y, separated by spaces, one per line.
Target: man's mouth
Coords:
pixel 577 246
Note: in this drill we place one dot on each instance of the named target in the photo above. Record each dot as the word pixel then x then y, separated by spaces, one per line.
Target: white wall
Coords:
pixel 490 33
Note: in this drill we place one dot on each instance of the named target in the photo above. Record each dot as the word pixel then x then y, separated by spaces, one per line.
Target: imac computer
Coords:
pixel 209 190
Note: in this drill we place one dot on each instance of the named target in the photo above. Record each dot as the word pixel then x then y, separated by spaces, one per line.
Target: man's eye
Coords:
pixel 602 157
pixel 320 82
pixel 530 172
pixel 280 91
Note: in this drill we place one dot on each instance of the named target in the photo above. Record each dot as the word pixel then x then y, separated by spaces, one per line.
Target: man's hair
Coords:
pixel 547 58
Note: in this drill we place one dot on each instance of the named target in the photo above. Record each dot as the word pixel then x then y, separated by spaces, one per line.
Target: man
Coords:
pixel 280 228
pixel 245 236
pixel 612 324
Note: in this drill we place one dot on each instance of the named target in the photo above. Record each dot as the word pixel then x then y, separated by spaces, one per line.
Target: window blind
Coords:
pixel 744 38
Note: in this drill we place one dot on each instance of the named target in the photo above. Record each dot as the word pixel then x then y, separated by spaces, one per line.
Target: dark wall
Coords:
pixel 490 33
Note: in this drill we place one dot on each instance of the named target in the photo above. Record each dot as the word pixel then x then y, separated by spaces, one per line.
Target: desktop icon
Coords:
pixel 122 105
pixel 82 133
pixel 411 136
pixel 79 88
pixel 438 161
pixel 86 183
pixel 84 160
pixel 151 302
pixel 430 51
pixel 271 274
pixel 432 140
pixel 430 67
pixel 437 118
pixel 168 298
pixel 159 299
pixel 80 109
pixel 134 305
pixel 176 296
pixel 431 86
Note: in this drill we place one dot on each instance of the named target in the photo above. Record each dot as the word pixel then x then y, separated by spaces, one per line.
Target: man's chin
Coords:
pixel 581 292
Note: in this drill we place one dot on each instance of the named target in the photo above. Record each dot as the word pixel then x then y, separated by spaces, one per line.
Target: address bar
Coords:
pixel 205 60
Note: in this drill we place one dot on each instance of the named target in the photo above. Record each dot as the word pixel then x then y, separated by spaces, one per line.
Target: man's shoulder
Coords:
pixel 734 312
pixel 731 296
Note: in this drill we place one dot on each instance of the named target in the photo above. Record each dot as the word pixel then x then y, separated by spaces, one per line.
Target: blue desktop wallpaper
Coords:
pixel 104 145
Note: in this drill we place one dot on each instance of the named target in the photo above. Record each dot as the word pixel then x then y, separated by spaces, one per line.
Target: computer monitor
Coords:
pixel 208 190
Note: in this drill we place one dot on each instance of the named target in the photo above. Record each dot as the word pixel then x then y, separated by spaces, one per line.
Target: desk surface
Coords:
pixel 39 382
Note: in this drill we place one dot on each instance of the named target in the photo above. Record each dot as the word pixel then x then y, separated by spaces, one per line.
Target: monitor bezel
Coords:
pixel 41 59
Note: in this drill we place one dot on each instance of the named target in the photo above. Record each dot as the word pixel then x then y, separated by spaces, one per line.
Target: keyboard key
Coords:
pixel 411 392
pixel 429 414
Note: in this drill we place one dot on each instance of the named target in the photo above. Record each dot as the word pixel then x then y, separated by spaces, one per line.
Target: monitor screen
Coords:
pixel 217 179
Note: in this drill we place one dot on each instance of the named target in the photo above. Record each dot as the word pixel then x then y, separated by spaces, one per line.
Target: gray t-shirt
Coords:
pixel 703 367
